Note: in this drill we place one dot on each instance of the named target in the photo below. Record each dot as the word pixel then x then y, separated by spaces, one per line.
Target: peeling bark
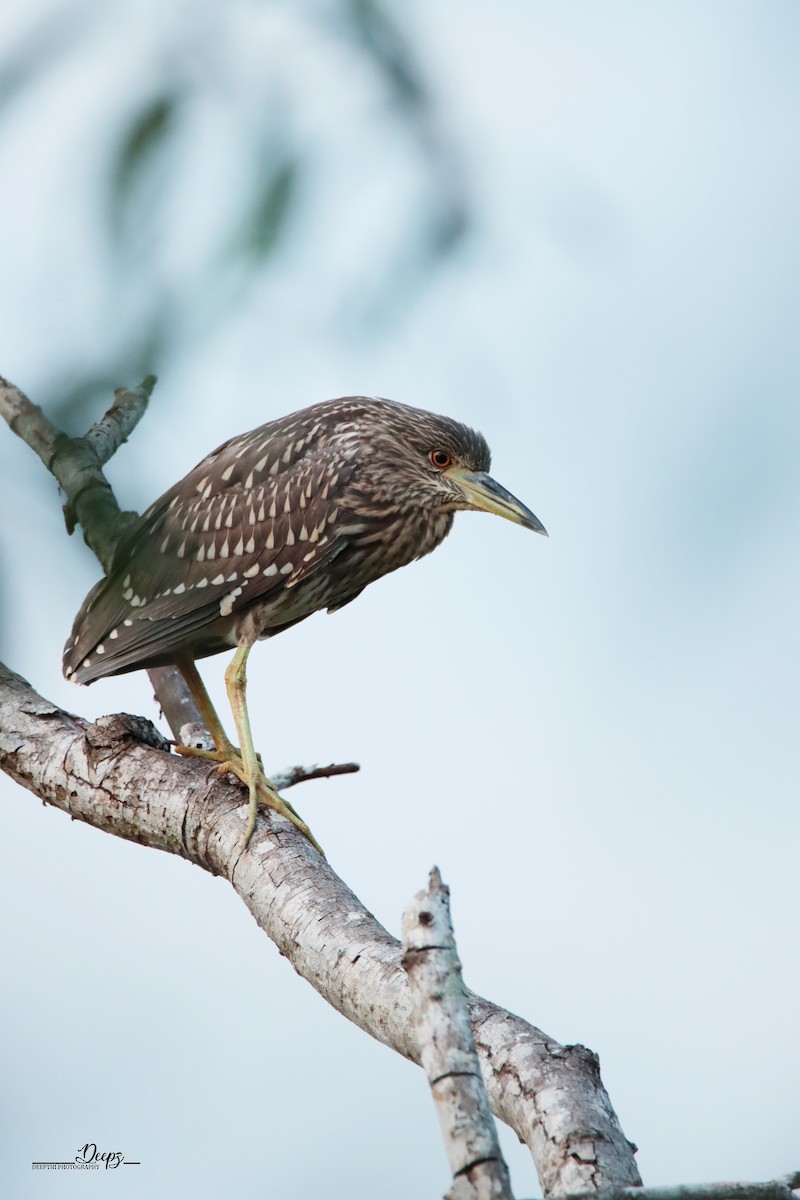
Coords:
pixel 117 775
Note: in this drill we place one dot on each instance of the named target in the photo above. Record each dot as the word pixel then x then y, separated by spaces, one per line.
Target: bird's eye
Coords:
pixel 440 458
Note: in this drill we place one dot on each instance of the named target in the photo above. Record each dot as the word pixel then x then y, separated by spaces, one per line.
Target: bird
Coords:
pixel 295 516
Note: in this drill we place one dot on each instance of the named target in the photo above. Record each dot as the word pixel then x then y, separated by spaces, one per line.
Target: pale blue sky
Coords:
pixel 600 730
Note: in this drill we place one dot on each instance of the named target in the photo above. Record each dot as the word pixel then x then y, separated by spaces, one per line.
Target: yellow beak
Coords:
pixel 487 495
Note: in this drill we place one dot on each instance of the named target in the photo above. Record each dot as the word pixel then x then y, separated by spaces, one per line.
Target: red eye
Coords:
pixel 440 458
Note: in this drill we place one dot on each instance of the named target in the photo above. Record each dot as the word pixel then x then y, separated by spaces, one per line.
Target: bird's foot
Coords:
pixel 228 753
pixel 262 794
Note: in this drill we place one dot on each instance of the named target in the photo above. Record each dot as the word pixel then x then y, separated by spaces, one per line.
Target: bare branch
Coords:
pixel 28 421
pixel 114 776
pixel 179 707
pixel 77 462
pixel 776 1189
pixel 291 776
pixel 447 1047
pixel 115 426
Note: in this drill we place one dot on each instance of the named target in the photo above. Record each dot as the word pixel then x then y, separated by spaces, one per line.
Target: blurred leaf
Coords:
pixel 269 211
pixel 382 38
pixel 145 137
pixel 449 227
pixel 447 218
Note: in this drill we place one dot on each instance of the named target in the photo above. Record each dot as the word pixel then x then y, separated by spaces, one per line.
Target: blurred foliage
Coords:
pixel 391 52
pixel 148 133
pixel 269 209
pixel 152 123
pixel 447 218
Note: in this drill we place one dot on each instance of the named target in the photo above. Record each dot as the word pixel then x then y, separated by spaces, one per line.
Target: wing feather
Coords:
pixel 249 522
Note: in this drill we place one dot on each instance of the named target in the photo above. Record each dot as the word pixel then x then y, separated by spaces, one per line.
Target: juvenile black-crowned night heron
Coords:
pixel 295 516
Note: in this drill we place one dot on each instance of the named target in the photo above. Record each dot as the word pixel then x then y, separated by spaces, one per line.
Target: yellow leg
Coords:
pixel 236 686
pixel 207 711
pixel 244 763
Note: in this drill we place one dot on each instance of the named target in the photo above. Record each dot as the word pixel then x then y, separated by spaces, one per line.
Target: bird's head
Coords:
pixel 410 457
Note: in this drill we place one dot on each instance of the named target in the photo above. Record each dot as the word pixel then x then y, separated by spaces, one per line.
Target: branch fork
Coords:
pixel 114 776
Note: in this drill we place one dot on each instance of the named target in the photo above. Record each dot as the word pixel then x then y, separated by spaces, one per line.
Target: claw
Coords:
pixel 261 792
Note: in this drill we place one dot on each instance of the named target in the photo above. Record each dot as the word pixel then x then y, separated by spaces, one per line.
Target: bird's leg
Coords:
pixel 262 793
pixel 245 764
pixel 225 749
pixel 225 753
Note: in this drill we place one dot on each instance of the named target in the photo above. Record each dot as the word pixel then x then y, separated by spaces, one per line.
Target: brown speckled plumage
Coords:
pixel 297 515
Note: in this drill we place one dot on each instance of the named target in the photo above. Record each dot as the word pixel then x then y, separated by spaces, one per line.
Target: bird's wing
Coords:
pixel 242 525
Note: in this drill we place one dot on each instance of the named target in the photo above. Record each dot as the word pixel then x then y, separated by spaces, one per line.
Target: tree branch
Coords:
pixel 776 1189
pixel 294 775
pixel 77 463
pixel 115 776
pixel 447 1047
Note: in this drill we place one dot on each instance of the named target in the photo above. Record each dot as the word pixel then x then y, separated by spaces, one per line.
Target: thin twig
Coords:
pixel 291 776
